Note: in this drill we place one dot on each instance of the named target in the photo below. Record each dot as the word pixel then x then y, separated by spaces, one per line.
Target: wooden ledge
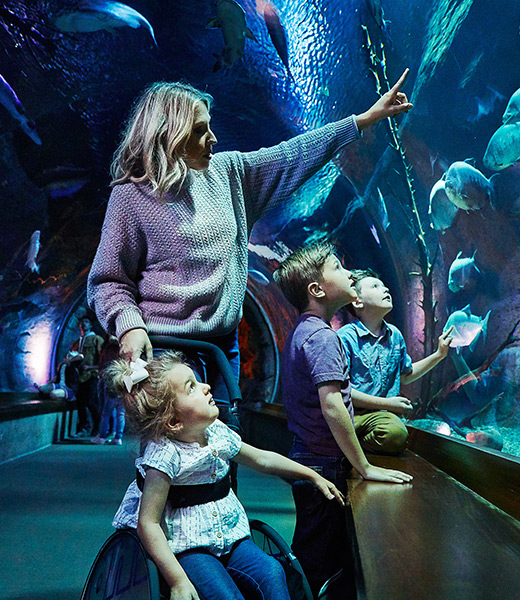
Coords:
pixel 431 539
pixel 18 405
pixel 492 474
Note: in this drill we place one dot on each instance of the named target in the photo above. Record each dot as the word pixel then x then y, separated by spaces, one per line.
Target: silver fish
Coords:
pixel 258 276
pixel 232 21
pixel 485 104
pixel 467 187
pixel 442 211
pixel 10 101
pixel 32 253
pixel 503 149
pixel 467 328
pixel 382 211
pixel 512 112
pixel 89 16
pixel 462 272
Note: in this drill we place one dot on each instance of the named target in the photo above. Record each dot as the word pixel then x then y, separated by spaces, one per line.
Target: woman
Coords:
pixel 172 259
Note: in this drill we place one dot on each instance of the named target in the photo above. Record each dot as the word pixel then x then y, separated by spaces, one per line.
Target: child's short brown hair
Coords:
pixel 357 277
pixel 302 267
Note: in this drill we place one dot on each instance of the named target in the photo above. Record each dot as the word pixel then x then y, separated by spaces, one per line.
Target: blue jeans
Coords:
pixel 321 541
pixel 245 573
pixel 111 407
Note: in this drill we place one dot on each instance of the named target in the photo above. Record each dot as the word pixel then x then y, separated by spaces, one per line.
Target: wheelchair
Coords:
pixel 123 570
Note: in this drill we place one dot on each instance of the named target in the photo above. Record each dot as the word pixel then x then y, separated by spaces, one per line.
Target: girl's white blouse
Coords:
pixel 215 526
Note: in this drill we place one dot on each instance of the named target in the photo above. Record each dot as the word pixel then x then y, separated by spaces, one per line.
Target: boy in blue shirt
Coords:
pixel 379 363
pixel 316 394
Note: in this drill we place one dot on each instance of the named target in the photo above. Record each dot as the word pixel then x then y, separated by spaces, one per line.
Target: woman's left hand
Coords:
pixel 394 102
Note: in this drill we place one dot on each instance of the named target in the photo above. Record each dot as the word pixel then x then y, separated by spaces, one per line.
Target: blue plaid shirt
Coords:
pixel 376 363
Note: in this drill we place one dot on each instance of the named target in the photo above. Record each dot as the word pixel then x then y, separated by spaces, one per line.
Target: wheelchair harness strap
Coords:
pixel 181 496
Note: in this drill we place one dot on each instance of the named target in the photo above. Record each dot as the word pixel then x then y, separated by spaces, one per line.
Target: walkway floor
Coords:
pixel 56 507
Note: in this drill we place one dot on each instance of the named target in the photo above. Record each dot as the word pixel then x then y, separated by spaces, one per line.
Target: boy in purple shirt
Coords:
pixel 379 363
pixel 316 393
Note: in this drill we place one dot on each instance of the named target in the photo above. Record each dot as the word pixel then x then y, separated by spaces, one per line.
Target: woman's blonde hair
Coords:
pixel 154 140
pixel 151 403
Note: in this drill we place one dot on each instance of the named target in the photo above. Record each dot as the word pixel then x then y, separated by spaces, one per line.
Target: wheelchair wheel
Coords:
pixel 122 570
pixel 272 543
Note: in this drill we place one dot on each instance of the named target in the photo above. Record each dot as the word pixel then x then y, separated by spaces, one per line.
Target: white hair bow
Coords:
pixel 139 373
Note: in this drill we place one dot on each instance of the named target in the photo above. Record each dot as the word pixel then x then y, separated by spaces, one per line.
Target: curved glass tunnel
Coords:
pixel 433 208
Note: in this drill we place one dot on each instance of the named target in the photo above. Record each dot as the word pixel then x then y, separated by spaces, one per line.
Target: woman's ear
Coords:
pixel 315 290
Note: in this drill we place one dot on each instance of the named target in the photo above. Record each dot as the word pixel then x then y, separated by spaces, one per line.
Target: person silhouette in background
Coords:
pixel 89 346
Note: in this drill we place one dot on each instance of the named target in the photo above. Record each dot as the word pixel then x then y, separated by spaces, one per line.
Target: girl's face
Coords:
pixel 194 403
pixel 198 147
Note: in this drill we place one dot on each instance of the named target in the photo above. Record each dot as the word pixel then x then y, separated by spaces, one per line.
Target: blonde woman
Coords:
pixel 172 259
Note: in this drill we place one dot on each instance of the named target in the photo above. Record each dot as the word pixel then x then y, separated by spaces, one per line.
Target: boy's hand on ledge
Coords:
pixel 390 475
pixel 398 404
pixel 444 342
pixel 328 489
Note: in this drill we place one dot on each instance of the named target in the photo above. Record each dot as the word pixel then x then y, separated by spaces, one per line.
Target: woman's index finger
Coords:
pixel 400 81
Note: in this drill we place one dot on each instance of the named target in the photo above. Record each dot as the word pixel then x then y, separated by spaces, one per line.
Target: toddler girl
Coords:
pixel 186 515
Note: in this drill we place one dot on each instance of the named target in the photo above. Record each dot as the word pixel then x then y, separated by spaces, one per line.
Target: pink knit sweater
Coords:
pixel 179 266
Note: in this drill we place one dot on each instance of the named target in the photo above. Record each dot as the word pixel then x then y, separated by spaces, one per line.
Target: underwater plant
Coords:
pixel 426 258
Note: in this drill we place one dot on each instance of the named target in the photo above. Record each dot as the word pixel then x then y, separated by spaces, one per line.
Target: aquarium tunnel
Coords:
pixel 430 199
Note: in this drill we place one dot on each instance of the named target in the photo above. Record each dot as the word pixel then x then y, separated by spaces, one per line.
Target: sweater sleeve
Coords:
pixel 271 175
pixel 112 283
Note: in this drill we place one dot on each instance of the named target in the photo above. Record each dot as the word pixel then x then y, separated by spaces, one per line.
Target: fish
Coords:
pixel 374 233
pixel 485 104
pixel 10 101
pixel 512 112
pixel 467 328
pixel 232 21
pixel 277 34
pixel 101 15
pixel 503 149
pixel 32 253
pixel 63 181
pixel 442 211
pixel 490 438
pixel 359 203
pixel 66 188
pixel 467 187
pixel 462 272
pixel 280 252
pixel 382 211
pixel 258 277
pixel 471 68
pixel 378 14
pixel 506 190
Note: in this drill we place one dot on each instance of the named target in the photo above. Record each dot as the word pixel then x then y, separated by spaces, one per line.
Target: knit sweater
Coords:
pixel 178 266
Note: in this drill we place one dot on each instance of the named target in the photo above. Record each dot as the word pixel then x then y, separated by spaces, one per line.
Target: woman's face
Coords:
pixel 198 147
